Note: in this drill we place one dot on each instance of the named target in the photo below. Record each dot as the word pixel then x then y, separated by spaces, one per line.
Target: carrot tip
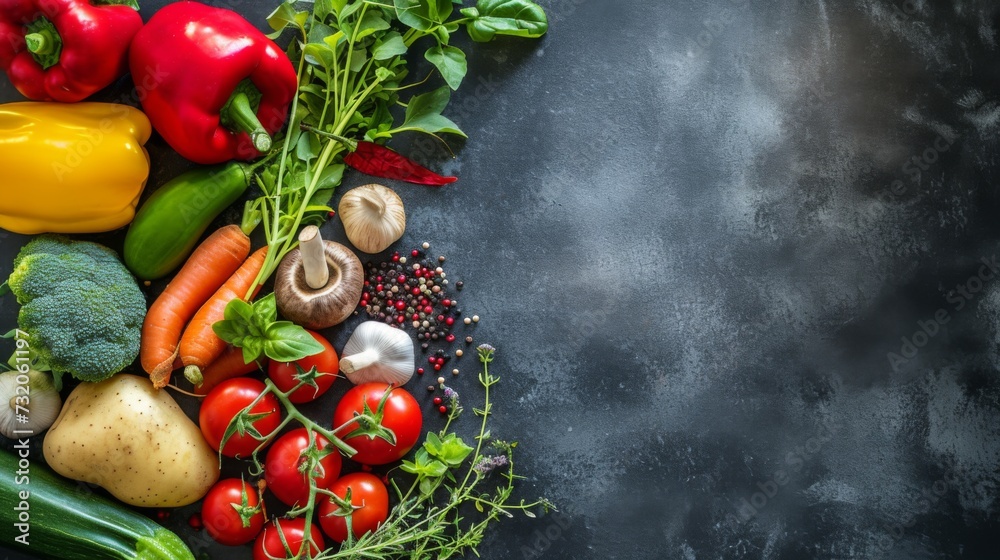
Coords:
pixel 160 376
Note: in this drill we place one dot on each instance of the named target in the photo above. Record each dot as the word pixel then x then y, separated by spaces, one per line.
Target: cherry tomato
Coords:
pixel 368 492
pixel 268 544
pixel 221 519
pixel 281 469
pixel 326 363
pixel 401 415
pixel 223 403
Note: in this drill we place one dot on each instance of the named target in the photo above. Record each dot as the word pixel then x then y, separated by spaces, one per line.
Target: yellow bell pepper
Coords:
pixel 71 168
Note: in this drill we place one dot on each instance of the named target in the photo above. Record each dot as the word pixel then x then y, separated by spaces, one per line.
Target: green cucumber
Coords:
pixel 47 516
pixel 167 227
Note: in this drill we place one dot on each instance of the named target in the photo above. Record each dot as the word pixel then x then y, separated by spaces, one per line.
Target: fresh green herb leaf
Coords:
pixel 308 148
pixel 389 45
pixel 238 310
pixel 424 114
pixel 255 329
pixel 418 14
pixel 450 61
pixel 318 54
pixel 451 449
pixel 266 309
pixel 285 16
pixel 371 23
pixel 521 18
pixel 286 342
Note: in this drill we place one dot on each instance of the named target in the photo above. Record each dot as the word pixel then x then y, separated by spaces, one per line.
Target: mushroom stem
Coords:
pixel 356 362
pixel 372 201
pixel 314 258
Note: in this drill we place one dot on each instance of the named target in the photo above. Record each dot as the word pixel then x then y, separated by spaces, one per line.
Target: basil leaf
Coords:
pixel 287 342
pixel 230 331
pixel 450 61
pixel 423 113
pixel 266 310
pixel 521 18
pixel 252 348
pixel 238 310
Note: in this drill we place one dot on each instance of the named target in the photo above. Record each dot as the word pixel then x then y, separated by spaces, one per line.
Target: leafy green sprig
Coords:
pixel 352 66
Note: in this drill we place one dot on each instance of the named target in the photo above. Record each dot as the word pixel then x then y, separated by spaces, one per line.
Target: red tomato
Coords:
pixel 281 469
pixel 368 492
pixel 269 545
pixel 401 415
pixel 222 521
pixel 326 362
pixel 222 404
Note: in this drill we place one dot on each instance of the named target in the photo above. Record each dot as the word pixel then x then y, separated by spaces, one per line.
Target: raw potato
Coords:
pixel 132 440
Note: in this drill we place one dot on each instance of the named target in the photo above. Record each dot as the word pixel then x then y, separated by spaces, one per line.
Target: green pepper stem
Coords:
pixel 243 118
pixel 41 42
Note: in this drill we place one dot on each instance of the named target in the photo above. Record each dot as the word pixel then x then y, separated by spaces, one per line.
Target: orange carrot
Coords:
pixel 229 365
pixel 207 269
pixel 200 345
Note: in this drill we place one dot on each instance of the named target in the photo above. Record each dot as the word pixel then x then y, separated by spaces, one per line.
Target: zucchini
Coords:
pixel 167 227
pixel 64 523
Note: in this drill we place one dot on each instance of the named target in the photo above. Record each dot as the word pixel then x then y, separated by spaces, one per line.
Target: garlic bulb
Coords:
pixel 378 352
pixel 32 403
pixel 373 217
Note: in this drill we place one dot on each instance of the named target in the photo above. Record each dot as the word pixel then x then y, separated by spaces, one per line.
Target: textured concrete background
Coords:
pixel 739 260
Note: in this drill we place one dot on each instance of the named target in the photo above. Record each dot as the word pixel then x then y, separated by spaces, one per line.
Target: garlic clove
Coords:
pixel 32 403
pixel 378 352
pixel 373 217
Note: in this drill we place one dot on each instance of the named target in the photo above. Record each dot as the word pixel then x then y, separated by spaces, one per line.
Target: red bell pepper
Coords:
pixel 66 50
pixel 221 87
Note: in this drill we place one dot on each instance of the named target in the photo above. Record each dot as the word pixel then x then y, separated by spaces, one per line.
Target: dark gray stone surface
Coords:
pixel 699 233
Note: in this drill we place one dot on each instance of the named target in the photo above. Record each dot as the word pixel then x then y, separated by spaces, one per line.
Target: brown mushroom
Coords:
pixel 319 284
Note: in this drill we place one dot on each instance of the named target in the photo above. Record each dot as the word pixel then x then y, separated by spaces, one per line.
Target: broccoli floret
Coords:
pixel 80 307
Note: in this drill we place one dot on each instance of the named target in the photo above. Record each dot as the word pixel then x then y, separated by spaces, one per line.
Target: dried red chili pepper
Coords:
pixel 379 161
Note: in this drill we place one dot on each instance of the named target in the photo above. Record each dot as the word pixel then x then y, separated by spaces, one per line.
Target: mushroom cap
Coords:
pixel 327 306
pixel 373 217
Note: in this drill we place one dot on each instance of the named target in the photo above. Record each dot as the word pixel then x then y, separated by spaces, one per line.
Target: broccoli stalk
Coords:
pixel 81 308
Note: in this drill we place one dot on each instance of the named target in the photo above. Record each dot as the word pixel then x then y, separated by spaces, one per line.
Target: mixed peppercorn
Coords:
pixel 412 293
